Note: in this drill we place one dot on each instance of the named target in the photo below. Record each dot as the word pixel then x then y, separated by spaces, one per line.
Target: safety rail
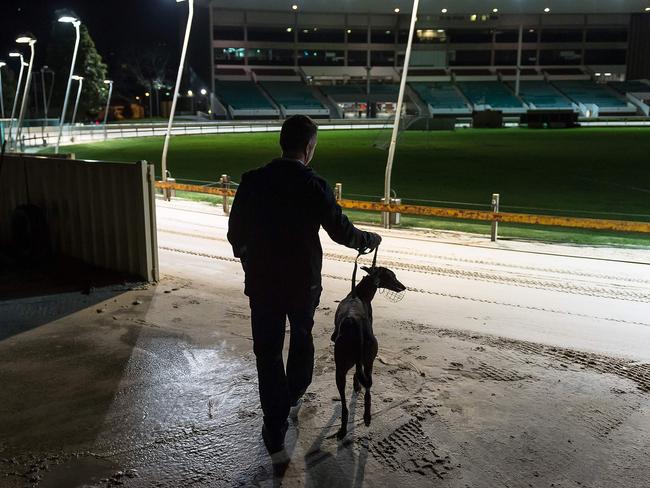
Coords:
pixel 453 213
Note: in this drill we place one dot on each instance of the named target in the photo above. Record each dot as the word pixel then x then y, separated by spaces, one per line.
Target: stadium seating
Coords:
pixel 387 91
pixel 441 97
pixel 491 93
pixel 293 96
pixel 630 86
pixel 542 95
pixel 343 93
pixel 589 93
pixel 242 95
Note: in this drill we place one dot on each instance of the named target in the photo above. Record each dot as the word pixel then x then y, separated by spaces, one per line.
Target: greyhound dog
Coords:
pixel 354 340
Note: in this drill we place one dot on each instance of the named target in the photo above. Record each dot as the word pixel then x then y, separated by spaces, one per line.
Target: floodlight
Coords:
pixel 294 7
pixel 68 19
pixel 547 10
pixel 204 91
pixel 26 39
pixel 495 10
pixel 444 11
pixel 396 10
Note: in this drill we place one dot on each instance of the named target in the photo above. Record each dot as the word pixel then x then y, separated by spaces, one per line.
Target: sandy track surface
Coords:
pixel 511 364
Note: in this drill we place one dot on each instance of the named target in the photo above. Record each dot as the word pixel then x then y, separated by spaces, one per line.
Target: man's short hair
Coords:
pixel 296 133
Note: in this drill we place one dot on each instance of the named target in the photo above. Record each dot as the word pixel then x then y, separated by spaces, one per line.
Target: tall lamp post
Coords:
pixel 31 41
pixel 398 112
pixel 80 79
pixel 68 19
pixel 17 95
pixel 2 97
pixel 108 105
pixel 148 96
pixel 188 31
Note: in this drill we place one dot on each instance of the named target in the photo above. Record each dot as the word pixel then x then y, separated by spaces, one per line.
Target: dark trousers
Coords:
pixel 278 389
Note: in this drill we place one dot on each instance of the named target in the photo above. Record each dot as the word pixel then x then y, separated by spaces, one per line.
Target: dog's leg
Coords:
pixel 367 397
pixel 340 383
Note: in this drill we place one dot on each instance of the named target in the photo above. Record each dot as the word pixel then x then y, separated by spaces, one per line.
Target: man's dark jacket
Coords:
pixel 273 229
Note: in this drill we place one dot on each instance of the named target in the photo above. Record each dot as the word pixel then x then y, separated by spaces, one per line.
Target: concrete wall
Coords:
pixel 102 213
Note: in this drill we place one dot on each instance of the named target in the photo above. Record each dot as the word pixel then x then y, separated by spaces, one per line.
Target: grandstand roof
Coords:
pixel 435 6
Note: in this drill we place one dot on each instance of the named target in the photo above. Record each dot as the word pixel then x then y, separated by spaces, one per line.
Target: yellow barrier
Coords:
pixel 210 190
pixel 455 213
pixel 513 218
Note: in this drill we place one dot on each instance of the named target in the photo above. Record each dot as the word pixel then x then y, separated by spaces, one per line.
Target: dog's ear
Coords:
pixel 366 269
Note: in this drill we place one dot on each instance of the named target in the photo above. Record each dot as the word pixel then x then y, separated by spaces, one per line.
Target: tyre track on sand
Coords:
pixel 430 292
pixel 507 279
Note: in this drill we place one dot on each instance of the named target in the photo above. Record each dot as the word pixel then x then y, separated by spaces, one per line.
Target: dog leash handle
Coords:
pixel 356 265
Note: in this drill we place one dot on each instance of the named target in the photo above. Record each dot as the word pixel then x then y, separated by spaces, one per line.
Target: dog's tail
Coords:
pixel 361 374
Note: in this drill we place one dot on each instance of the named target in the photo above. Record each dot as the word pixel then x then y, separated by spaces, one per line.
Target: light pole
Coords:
pixel 398 112
pixel 188 31
pixel 2 98
pixel 46 97
pixel 108 104
pixel 80 79
pixel 31 41
pixel 204 92
pixel 17 95
pixel 148 95
pixel 68 19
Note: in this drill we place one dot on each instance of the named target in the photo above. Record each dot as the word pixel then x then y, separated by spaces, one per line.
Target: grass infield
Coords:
pixel 599 172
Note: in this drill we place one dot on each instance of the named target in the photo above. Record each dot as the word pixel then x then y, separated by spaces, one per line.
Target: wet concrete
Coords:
pixel 157 386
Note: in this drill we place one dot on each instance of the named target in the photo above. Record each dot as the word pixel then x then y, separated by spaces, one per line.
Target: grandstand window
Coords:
pixel 382 36
pixel 307 34
pixel 272 34
pixel 429 36
pixel 605 56
pixel 357 58
pixel 322 57
pixel 230 55
pixel 562 35
pixel 505 58
pixel 528 57
pixel 506 36
pixel 509 58
pixel 469 36
pixel 382 58
pixel 607 35
pixel 512 35
pixel 470 58
pixel 550 57
pixel 358 35
pixel 229 33
pixel 281 57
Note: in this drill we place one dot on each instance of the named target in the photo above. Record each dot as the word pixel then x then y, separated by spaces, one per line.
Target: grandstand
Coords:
pixel 542 95
pixel 344 59
pixel 491 95
pixel 294 97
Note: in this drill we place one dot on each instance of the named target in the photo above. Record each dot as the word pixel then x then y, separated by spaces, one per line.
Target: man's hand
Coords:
pixel 372 241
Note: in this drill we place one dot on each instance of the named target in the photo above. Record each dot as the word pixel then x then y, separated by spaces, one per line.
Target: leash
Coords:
pixel 356 265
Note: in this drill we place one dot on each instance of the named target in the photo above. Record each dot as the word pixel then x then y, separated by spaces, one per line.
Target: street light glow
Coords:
pixel 108 82
pixel 25 40
pixel 190 93
pixel 204 91
pixel 15 55
pixel 2 64
pixel 77 77
pixel 68 19
pixel 147 94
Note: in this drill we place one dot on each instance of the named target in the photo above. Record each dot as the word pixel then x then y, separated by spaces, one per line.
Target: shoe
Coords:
pixel 274 440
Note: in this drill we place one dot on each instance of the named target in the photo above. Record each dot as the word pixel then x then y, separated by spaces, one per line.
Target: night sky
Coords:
pixel 115 25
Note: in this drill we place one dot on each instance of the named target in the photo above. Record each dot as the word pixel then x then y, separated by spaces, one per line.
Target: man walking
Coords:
pixel 273 229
